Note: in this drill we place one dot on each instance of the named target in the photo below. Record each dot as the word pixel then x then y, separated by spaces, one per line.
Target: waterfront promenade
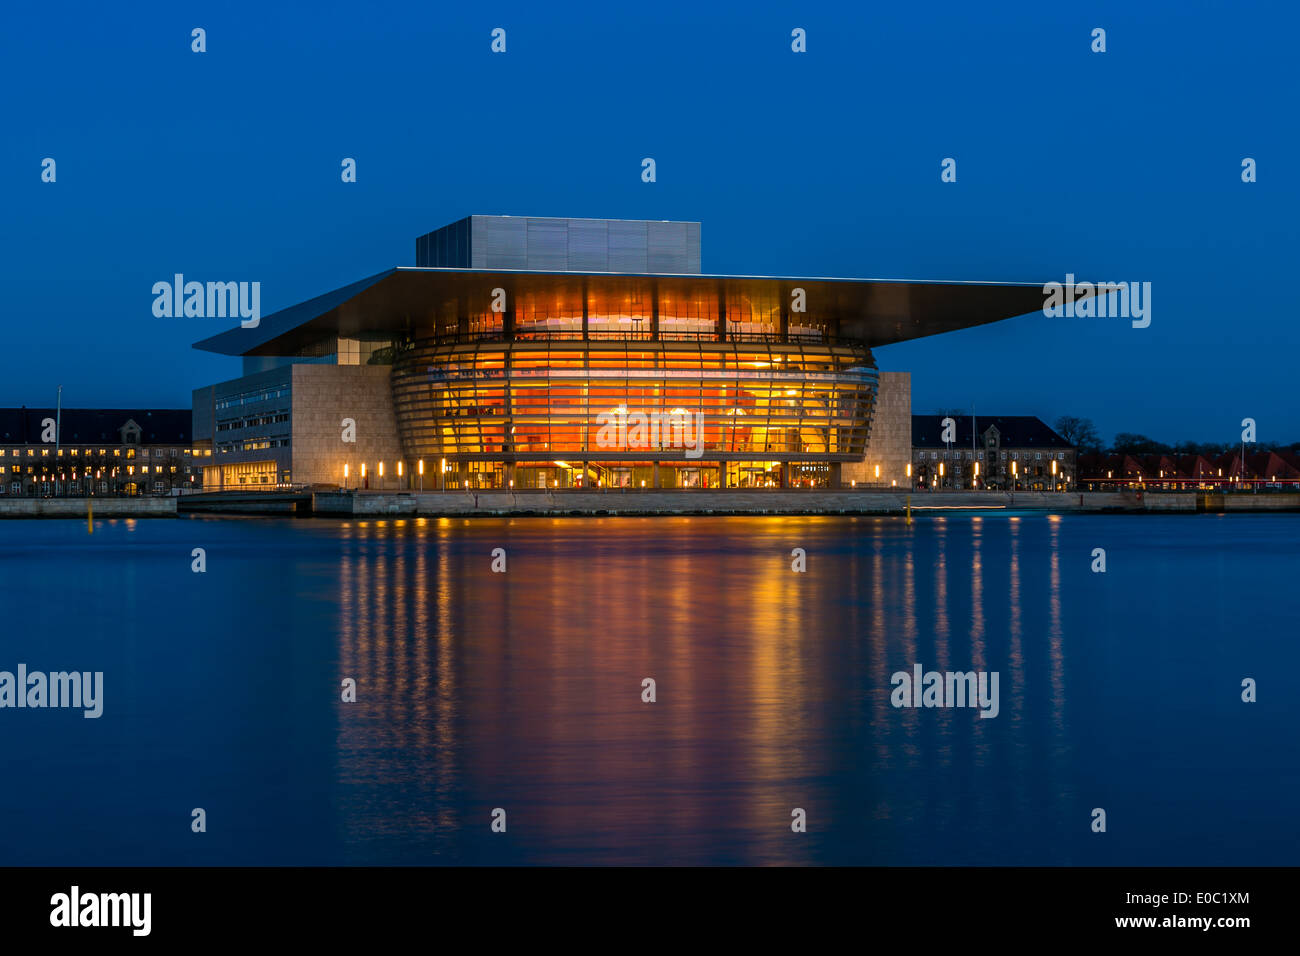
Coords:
pixel 346 504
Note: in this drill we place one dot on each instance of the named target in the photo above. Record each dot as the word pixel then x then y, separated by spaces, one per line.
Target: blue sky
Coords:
pixel 1117 166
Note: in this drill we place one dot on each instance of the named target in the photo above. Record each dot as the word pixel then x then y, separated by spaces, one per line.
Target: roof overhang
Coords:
pixel 874 311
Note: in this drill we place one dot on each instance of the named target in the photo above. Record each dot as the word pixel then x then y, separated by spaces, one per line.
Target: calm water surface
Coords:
pixel 523 691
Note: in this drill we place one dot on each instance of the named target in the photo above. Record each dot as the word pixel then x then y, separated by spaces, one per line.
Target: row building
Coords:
pixel 994 452
pixel 48 452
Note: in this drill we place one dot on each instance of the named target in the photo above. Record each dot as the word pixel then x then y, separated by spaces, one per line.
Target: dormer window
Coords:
pixel 130 433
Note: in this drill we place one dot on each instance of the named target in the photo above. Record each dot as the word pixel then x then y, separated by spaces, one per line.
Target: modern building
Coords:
pixel 87 451
pixel 1008 452
pixel 1270 469
pixel 559 353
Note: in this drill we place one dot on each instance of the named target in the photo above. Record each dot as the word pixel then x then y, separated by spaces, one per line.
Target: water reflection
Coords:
pixel 523 689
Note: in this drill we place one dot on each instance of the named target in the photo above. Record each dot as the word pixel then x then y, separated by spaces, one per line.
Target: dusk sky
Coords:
pixel 225 165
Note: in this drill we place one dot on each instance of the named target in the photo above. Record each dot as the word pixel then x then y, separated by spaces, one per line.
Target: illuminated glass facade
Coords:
pixel 532 402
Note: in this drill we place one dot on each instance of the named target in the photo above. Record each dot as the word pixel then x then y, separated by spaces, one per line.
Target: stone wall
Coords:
pixel 889 444
pixel 324 395
pixel 87 508
pixel 733 502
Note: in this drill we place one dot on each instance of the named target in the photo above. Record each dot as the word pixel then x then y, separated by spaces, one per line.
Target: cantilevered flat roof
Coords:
pixel 874 311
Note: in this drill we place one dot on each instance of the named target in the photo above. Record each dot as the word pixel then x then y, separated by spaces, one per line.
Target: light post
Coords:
pixel 421 468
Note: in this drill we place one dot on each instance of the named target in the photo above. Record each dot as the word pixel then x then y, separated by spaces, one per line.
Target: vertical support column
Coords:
pixel 586 336
pixel 655 483
pixel 722 312
pixel 508 317
pixel 654 310
pixel 783 327
pixel 507 368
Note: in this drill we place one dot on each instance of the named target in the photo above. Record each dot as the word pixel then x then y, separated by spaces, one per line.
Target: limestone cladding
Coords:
pixel 325 395
pixel 889 443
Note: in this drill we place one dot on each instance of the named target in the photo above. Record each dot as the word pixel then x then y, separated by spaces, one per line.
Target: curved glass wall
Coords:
pixel 680 399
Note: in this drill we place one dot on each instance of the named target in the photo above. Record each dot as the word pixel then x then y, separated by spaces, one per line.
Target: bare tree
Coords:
pixel 1079 432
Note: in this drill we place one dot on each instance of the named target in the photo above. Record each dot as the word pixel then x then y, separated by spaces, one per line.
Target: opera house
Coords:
pixel 561 353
